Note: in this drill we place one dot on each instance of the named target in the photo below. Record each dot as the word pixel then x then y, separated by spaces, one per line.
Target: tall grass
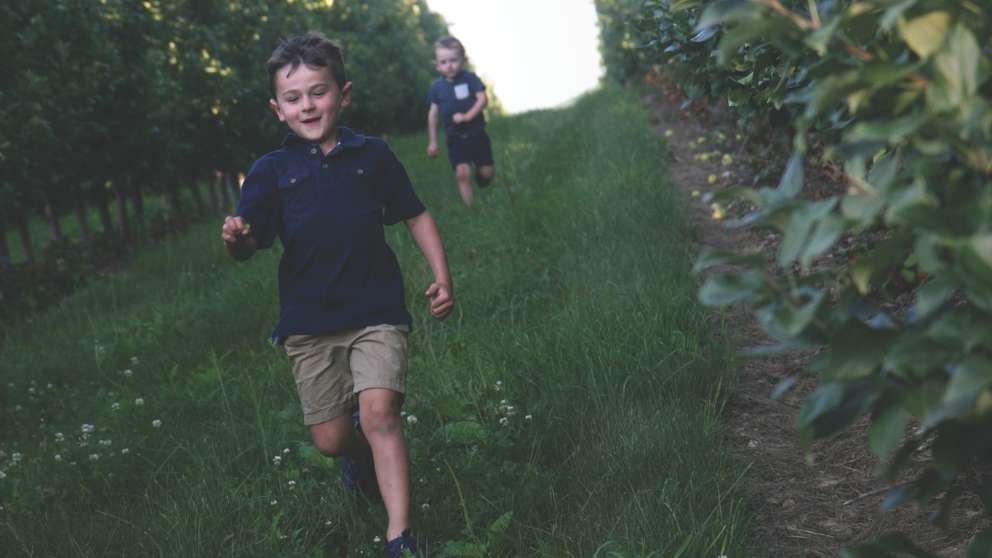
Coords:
pixel 569 407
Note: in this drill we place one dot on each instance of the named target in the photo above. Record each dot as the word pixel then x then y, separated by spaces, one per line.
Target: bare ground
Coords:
pixel 800 509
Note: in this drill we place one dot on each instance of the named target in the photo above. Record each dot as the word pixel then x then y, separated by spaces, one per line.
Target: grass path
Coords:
pixel 569 407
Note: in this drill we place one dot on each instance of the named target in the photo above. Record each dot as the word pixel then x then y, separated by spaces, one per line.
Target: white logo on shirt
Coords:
pixel 461 91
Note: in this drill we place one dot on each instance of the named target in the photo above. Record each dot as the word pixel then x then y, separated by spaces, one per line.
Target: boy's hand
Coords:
pixel 458 118
pixel 432 149
pixel 441 298
pixel 235 229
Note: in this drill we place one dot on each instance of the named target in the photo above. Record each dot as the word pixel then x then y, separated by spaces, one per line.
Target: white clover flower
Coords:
pixel 134 360
pixel 18 408
pixel 411 419
pixel 105 443
pixel 276 460
pixel 94 456
pixel 328 523
pixel 3 475
pixel 504 421
pixel 425 506
pixel 16 457
pixel 115 406
pixel 31 390
pixel 273 502
pixel 125 451
pixel 156 423
pixel 127 373
pixel 285 451
pixel 49 386
pixel 59 437
pixel 58 457
pixel 499 385
pixel 528 417
pixel 292 484
pixel 422 480
pixel 376 539
pixel 87 428
pixel 139 402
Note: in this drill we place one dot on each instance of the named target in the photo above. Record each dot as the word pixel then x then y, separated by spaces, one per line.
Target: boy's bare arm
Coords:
pixel 480 103
pixel 432 118
pixel 237 237
pixel 440 293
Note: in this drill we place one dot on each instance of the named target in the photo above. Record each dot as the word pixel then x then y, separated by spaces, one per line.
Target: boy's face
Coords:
pixel 309 101
pixel 448 62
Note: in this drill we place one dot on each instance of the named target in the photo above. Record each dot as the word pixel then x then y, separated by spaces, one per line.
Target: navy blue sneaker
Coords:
pixel 403 546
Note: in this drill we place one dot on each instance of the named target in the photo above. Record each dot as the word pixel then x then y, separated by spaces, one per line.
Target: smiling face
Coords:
pixel 309 101
pixel 448 61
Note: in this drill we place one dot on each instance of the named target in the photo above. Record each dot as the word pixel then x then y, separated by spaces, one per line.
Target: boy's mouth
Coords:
pixel 310 120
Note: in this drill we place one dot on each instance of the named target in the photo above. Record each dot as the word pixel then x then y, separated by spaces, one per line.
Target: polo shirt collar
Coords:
pixel 346 139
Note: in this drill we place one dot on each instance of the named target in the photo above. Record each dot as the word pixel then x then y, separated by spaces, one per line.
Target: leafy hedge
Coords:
pixel 897 93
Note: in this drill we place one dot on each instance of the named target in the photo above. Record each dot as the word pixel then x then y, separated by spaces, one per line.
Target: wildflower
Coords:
pixel 528 417
pixel 58 457
pixel 276 460
pixel 504 421
pixel 134 360
pixel 3 475
pixel 127 373
pixel 669 132
pixel 286 450
pixel 411 419
pixel 18 408
pixel 273 502
pixel 292 484
pixel 105 443
pixel 328 523
pixel 94 456
pixel 115 406
pixel 156 423
pixel 49 386
pixel 376 539
pixel 499 385
pixel 59 437
pixel 16 457
pixel 125 451
pixel 31 390
pixel 139 402
pixel 425 506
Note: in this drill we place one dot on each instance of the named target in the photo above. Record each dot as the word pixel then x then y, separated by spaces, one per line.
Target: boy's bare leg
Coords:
pixel 484 175
pixel 337 437
pixel 383 428
pixel 463 174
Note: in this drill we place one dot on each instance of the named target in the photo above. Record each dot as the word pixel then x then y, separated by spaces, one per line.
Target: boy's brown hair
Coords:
pixel 314 50
pixel 450 43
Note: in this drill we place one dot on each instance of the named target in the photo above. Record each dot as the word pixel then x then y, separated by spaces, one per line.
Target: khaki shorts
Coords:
pixel 331 369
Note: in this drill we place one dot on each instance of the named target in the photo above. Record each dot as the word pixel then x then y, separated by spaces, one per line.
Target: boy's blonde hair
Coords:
pixel 450 43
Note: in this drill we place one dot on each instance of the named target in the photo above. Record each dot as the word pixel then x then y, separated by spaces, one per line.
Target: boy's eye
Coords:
pixel 292 99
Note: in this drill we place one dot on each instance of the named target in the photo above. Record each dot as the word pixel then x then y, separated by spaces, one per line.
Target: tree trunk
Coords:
pixel 54 224
pixel 26 248
pixel 212 194
pixel 4 249
pixel 106 222
pixel 125 226
pixel 84 224
pixel 225 193
pixel 196 196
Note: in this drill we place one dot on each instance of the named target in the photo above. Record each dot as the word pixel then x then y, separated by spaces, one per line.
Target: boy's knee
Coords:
pixel 463 172
pixel 380 418
pixel 330 446
pixel 484 175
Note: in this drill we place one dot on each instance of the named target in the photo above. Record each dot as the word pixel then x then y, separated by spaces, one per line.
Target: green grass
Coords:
pixel 570 406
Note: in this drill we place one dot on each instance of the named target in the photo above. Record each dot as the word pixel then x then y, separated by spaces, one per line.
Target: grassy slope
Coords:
pixel 575 308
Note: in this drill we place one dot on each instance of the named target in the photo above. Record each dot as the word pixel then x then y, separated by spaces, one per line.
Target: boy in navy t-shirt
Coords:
pixel 327 193
pixel 458 97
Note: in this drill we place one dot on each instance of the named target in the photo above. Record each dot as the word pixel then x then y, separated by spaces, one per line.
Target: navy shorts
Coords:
pixel 470 149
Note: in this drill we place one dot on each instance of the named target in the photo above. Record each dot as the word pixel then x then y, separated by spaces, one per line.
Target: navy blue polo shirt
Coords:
pixel 336 271
pixel 458 95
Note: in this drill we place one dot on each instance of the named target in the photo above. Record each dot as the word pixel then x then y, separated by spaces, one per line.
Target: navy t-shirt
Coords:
pixel 458 95
pixel 336 271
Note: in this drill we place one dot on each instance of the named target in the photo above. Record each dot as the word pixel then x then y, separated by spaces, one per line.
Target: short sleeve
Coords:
pixel 432 96
pixel 475 84
pixel 401 202
pixel 259 203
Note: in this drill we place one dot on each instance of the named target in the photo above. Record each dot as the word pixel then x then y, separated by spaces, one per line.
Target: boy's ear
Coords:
pixel 275 108
pixel 346 95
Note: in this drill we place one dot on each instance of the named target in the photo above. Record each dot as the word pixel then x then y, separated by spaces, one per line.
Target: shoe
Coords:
pixel 403 546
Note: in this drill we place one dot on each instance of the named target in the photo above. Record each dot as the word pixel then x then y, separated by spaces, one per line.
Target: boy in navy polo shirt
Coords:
pixel 458 97
pixel 326 193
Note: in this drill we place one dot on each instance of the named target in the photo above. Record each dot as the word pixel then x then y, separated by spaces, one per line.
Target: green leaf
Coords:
pixel 710 257
pixel 933 295
pixel 969 378
pixel 887 430
pixel 723 11
pixel 820 39
pixel 888 254
pixel 792 178
pixel 721 290
pixel 465 432
pixel 827 231
pixel 892 131
pixel 957 66
pixel 926 33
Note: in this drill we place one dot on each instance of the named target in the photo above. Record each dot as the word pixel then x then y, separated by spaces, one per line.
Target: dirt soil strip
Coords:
pixel 800 509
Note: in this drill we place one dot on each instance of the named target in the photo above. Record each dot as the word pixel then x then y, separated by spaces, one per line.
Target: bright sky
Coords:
pixel 533 53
